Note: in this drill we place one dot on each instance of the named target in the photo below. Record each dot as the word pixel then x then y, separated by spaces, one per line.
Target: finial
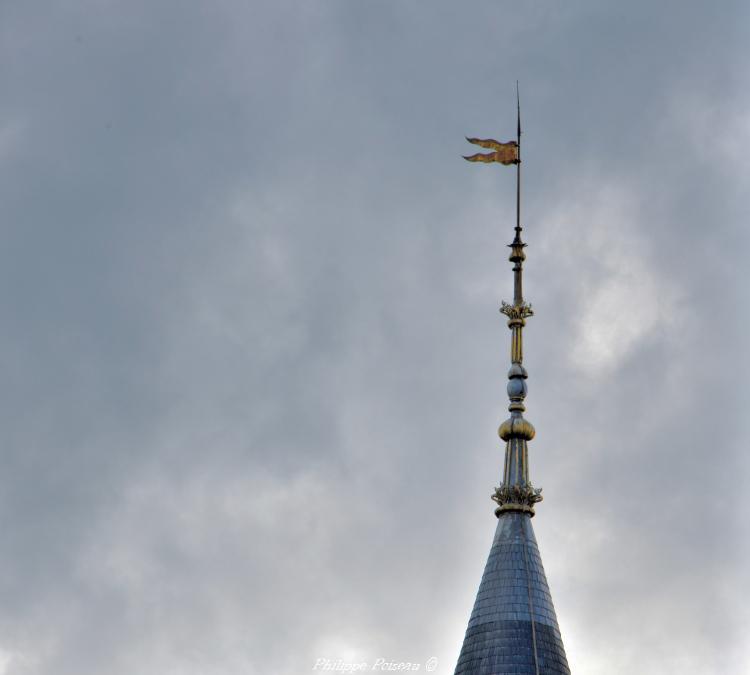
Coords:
pixel 516 493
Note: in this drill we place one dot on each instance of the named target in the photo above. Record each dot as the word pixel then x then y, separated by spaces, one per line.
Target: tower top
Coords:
pixel 513 627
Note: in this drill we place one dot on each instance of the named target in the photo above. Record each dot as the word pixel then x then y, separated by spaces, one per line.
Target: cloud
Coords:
pixel 252 362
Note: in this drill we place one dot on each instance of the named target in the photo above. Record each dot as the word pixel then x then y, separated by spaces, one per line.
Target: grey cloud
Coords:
pixel 252 361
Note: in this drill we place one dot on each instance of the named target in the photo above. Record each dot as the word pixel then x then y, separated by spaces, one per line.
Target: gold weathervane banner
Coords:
pixel 505 153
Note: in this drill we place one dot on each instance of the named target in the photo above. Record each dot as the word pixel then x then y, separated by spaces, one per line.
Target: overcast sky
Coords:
pixel 251 364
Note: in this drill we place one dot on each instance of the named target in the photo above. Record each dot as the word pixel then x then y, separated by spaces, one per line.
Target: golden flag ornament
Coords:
pixel 505 153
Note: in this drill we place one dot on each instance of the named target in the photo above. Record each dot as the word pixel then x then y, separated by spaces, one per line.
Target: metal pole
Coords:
pixel 517 286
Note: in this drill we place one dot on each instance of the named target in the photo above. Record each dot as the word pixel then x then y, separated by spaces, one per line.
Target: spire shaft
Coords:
pixel 516 492
pixel 518 166
pixel 517 279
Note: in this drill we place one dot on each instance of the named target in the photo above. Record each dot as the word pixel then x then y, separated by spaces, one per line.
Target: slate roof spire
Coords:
pixel 513 627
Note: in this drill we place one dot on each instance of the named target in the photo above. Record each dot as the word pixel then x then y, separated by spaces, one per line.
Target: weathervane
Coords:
pixel 515 493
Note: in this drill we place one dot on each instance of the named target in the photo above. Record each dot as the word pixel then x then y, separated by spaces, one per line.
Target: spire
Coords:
pixel 516 492
pixel 513 627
